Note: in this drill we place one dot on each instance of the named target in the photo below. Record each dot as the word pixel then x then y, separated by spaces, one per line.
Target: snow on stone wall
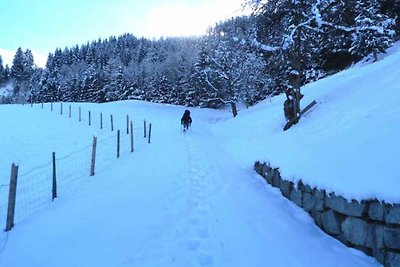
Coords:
pixel 370 226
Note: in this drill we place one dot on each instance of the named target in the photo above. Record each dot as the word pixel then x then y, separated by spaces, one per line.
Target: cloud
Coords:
pixel 188 20
pixel 40 59
pixel 8 56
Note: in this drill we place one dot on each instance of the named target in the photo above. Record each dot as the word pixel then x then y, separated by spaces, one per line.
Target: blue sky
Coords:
pixel 44 25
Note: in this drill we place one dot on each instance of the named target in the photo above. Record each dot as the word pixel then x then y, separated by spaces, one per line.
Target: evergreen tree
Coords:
pixel 22 71
pixel 373 31
pixel 17 69
pixel 391 8
pixel 197 95
pixel 299 36
pixel 3 74
pixel 28 65
pixel 293 42
pixel 7 72
pixel 35 86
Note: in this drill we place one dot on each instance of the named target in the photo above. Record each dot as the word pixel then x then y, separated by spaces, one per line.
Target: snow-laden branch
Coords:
pixel 209 83
pixel 265 47
pixel 216 63
pixel 217 98
pixel 288 39
pixel 222 75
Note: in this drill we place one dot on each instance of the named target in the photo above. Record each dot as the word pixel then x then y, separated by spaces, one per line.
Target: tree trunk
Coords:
pixel 234 109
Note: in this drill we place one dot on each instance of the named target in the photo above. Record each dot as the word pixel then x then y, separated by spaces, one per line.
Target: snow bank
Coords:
pixel 348 143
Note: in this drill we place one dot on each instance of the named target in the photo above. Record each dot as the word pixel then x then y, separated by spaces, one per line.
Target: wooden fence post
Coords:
pixel 127 124
pixel 80 117
pixel 54 188
pixel 101 121
pixel 144 125
pixel 70 111
pixel 118 141
pixel 149 132
pixel 90 118
pixel 93 161
pixel 112 123
pixel 12 197
pixel 131 136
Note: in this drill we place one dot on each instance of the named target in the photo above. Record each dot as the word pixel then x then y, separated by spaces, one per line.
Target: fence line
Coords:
pixel 35 188
pixel 34 169
pixel 101 116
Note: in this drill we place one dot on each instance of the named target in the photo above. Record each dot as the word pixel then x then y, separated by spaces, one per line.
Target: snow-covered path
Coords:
pixel 181 201
pixel 240 221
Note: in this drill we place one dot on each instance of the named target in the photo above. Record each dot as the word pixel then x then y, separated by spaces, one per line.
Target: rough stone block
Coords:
pixel 366 250
pixel 375 237
pixel 276 179
pixel 320 194
pixel 308 189
pixel 391 237
pixel 376 211
pixel 286 187
pixel 296 196
pixel 319 205
pixel 343 239
pixel 317 218
pixel 356 230
pixel 393 214
pixel 309 201
pixel 301 186
pixel 269 175
pixel 379 236
pixel 379 255
pixel 331 222
pixel 341 205
pixel 265 169
pixel 257 167
pixel 392 259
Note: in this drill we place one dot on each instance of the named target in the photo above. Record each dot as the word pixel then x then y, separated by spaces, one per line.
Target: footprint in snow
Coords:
pixel 205 259
pixel 193 245
pixel 203 232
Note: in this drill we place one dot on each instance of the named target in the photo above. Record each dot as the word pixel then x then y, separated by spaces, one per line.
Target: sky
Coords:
pixel 44 25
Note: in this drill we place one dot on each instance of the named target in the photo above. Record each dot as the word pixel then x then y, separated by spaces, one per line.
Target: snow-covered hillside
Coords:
pixel 193 199
pixel 348 143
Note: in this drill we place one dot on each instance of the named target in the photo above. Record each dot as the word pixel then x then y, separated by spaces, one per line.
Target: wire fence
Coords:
pixel 35 187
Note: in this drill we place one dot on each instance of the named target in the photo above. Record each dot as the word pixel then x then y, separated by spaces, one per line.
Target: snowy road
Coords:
pixel 232 218
pixel 181 201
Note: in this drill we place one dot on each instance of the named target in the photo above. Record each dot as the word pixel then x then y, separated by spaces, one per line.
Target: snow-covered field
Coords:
pixel 193 199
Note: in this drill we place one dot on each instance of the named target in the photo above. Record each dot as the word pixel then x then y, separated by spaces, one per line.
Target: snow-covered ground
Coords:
pixel 193 199
pixel 348 143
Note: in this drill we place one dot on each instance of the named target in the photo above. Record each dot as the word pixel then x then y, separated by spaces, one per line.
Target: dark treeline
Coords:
pixel 242 59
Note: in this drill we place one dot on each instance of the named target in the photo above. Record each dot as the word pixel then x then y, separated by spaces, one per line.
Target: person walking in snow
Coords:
pixel 186 120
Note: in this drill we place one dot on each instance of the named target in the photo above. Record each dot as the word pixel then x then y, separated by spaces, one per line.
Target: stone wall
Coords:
pixel 370 226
